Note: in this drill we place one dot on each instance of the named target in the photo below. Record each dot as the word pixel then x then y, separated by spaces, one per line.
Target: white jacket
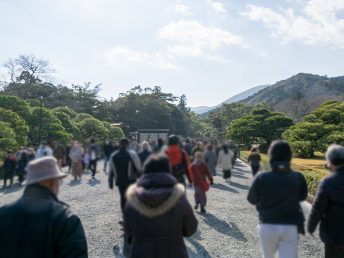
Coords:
pixel 225 161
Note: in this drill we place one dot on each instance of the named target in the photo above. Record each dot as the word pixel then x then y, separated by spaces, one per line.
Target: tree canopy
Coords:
pixel 320 128
pixel 261 126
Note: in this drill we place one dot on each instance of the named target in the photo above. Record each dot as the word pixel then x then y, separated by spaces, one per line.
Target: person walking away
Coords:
pixel 44 151
pixel 31 155
pixel 277 195
pixel 75 154
pixel 158 215
pixel 107 149
pixel 179 161
pixel 38 225
pixel 225 162
pixel 202 179
pixel 328 207
pixel 86 161
pixel 160 146
pixel 254 160
pixel 188 146
pixel 68 160
pixel 124 168
pixel 94 152
pixel 198 148
pixel 9 167
pixel 211 159
pixel 22 161
pixel 145 151
pixel 59 153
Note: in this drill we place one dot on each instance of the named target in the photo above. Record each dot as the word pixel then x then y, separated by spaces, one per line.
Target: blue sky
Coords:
pixel 209 50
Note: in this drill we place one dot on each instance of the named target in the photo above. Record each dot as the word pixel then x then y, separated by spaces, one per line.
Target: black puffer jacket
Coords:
pixel 157 217
pixel 39 226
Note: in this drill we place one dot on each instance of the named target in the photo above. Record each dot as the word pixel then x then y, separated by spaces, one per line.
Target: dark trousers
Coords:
pixel 8 175
pixel 333 251
pixel 93 166
pixel 122 190
pixel 227 173
pixel 254 169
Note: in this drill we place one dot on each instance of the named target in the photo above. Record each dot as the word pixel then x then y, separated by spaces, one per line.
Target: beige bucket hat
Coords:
pixel 42 169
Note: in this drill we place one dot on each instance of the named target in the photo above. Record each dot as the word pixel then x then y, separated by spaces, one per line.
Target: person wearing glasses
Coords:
pixel 39 225
pixel 328 207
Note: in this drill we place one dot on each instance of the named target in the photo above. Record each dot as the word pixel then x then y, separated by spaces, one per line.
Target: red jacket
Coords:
pixel 201 175
pixel 174 153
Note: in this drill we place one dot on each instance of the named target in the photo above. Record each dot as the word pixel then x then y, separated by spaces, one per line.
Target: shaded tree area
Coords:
pixel 151 108
pixel 30 79
pixel 262 126
pixel 22 124
pixel 320 128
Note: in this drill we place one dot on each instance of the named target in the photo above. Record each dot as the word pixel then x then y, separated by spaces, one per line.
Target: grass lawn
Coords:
pixel 313 169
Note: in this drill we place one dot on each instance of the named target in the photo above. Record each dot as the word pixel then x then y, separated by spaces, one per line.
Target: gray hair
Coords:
pixel 146 146
pixel 335 154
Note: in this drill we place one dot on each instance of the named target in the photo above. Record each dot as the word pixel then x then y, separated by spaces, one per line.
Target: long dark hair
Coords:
pixel 225 148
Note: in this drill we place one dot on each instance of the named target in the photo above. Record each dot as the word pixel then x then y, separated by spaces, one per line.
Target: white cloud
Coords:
pixel 217 7
pixel 122 57
pixel 182 9
pixel 191 38
pixel 318 24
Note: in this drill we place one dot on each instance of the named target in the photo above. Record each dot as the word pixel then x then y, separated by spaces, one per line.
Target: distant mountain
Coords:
pixel 235 98
pixel 201 110
pixel 299 94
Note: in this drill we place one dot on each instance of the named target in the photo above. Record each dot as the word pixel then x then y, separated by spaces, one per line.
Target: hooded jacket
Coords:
pixel 157 217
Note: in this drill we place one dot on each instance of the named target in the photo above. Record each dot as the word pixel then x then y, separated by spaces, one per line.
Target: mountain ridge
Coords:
pixel 236 98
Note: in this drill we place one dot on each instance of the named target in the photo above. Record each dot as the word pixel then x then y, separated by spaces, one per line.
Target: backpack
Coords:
pixel 180 169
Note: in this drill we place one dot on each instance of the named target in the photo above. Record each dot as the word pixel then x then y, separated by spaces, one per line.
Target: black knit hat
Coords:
pixel 173 139
pixel 280 151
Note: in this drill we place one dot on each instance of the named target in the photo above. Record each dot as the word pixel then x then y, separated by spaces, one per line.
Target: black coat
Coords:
pixel 9 166
pixel 328 209
pixel 157 217
pixel 143 155
pixel 39 226
pixel 277 196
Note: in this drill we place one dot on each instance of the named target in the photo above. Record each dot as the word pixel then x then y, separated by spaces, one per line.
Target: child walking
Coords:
pixel 202 179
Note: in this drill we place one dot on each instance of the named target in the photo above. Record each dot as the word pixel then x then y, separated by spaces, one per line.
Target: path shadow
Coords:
pixel 93 182
pixel 239 175
pixel 117 252
pixel 224 188
pixel 74 182
pixel 11 189
pixel 200 250
pixel 241 171
pixel 240 186
pixel 221 226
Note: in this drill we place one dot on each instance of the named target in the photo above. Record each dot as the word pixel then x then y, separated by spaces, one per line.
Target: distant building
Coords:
pixel 150 134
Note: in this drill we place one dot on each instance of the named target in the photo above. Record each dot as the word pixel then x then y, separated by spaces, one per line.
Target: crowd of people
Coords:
pixel 152 179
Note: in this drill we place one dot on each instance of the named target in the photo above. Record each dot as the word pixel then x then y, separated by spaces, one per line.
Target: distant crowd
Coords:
pixel 152 178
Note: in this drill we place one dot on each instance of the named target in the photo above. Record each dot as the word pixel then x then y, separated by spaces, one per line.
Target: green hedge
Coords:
pixel 312 176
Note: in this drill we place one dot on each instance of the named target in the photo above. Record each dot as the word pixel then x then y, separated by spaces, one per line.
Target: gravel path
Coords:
pixel 229 229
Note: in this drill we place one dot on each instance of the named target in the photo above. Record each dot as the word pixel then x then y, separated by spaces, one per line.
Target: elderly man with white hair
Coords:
pixel 38 225
pixel 328 207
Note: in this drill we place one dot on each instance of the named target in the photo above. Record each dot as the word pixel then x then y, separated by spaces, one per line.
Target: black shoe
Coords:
pixel 203 210
pixel 196 206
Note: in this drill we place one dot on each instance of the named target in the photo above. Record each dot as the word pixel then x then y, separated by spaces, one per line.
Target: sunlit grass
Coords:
pixel 313 169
